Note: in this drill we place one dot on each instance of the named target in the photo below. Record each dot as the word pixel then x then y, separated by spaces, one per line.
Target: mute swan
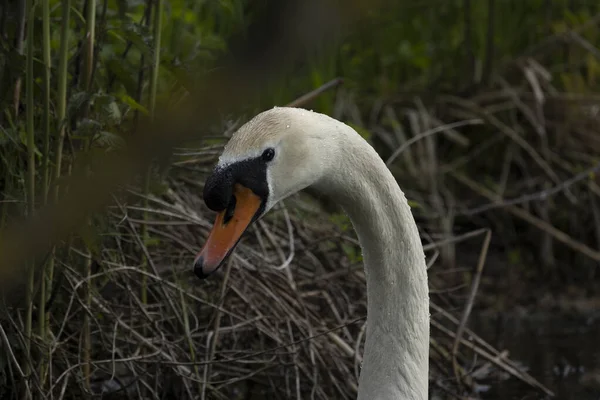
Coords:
pixel 284 150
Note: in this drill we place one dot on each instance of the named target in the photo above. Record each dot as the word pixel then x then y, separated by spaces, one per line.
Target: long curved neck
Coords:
pixel 396 356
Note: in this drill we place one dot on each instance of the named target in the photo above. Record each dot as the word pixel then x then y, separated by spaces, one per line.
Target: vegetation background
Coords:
pixel 113 111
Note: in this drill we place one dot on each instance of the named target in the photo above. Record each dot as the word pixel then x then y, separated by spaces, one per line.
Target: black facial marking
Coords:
pixel 230 210
pixel 251 173
pixel 218 189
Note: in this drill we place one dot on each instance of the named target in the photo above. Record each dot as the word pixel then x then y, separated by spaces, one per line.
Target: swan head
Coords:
pixel 274 155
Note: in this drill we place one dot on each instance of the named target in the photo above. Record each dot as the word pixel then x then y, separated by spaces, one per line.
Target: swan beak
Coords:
pixel 227 231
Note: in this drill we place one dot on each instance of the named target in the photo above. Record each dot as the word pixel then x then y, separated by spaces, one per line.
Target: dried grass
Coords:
pixel 291 332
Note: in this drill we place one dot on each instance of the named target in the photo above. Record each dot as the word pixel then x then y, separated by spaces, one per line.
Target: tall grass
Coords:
pixel 47 63
pixel 61 112
pixel 60 128
pixel 88 69
pixel 90 30
pixel 157 12
pixel 61 97
pixel 30 132
pixel 155 69
pixel 45 174
pixel 19 45
pixel 157 34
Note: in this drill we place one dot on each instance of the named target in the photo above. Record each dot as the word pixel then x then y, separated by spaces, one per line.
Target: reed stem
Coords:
pixel 61 113
pixel 47 62
pixel 88 72
pixel 46 121
pixel 29 84
pixel 19 42
pixel 157 27
pixel 89 45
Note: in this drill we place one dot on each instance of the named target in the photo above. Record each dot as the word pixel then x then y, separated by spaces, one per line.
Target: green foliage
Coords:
pixel 414 204
pixel 365 133
pixel 407 47
pixel 342 221
pixel 94 117
pixel 352 252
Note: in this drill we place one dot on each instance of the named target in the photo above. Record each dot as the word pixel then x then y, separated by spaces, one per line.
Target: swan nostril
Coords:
pixel 230 210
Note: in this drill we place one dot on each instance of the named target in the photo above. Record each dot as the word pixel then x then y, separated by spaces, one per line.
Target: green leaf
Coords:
pixel 109 140
pixel 76 102
pixel 124 77
pixel 88 127
pixel 130 101
pixel 139 36
pixel 342 221
pixel 8 135
pixel 414 204
pixel 108 108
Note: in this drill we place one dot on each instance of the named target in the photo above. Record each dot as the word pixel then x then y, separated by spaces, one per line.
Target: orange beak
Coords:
pixel 227 231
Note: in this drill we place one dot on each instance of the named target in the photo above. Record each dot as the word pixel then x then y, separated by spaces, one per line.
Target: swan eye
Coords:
pixel 268 154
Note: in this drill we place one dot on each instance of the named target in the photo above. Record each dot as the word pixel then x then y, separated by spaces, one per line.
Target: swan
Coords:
pixel 283 150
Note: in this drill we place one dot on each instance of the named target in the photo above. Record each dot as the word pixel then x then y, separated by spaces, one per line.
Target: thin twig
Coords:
pixel 538 223
pixel 470 301
pixel 538 196
pixel 310 96
pixel 430 132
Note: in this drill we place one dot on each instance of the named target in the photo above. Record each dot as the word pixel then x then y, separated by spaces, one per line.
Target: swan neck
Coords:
pixel 396 354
